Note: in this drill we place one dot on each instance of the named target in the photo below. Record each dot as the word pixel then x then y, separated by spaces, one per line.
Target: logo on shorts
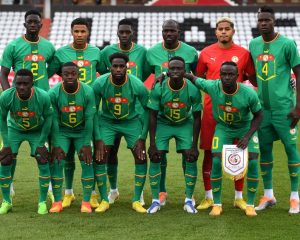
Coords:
pixel 235 59
pixel 293 131
pixel 255 139
pixel 234 159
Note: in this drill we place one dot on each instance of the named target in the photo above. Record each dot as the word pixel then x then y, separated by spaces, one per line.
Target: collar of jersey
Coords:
pixel 126 80
pixel 86 45
pixel 168 82
pixel 62 86
pixel 132 46
pixel 231 94
pixel 174 49
pixel 31 94
pixel 30 41
pixel 277 36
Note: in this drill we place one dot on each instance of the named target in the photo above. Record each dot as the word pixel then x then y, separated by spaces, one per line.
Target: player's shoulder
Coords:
pixel 102 79
pixel 247 89
pixel 135 81
pixel 93 48
pixel 45 41
pixel 256 40
pixel 63 48
pixel 85 87
pixel 109 48
pixel 285 40
pixel 156 47
pixel 41 94
pixel 15 42
pixel 8 93
pixel 55 88
pixel 140 47
pixel 187 46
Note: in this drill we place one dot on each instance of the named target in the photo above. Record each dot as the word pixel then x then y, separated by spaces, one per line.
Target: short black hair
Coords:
pixel 80 21
pixel 32 12
pixel 171 21
pixel 229 63
pixel 69 64
pixel 24 73
pixel 125 21
pixel 118 55
pixel 266 9
pixel 177 58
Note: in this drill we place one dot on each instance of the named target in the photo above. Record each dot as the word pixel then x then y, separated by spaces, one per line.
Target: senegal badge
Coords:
pixel 234 161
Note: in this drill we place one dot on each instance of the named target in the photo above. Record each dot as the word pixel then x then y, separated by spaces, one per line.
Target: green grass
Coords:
pixel 121 222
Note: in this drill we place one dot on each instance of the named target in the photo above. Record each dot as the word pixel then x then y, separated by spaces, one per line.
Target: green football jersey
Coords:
pixel 34 114
pixel 73 112
pixel 88 60
pixel 20 53
pixel 158 57
pixel 137 64
pixel 118 102
pixel 273 63
pixel 175 106
pixel 233 110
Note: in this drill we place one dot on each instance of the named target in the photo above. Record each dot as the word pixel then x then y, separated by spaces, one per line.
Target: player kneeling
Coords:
pixel 74 109
pixel 26 115
pixel 237 111
pixel 171 104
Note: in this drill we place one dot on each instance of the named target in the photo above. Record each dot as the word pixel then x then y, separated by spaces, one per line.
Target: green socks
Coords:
pixel 112 172
pixel 56 169
pixel 44 178
pixel 154 177
pixel 163 168
pixel 216 179
pixel 190 177
pixel 139 180
pixel 5 181
pixel 100 176
pixel 252 181
pixel 87 180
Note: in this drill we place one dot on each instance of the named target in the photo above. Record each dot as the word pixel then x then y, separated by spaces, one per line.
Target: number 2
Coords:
pixel 34 68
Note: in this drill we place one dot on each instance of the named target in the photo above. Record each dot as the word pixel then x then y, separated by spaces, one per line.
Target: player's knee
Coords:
pixel 112 157
pixel 252 169
pixel 189 157
pixel 155 159
pixel 7 161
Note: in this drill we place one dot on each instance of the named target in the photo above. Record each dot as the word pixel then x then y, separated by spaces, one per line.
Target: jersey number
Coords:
pixel 175 113
pixel 228 117
pixel 82 72
pixel 265 69
pixel 215 143
pixel 117 109
pixel 34 68
pixel 25 122
pixel 72 118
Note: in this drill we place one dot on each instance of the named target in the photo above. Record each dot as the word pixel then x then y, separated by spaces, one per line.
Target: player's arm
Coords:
pixel 200 83
pixel 4 77
pixel 249 71
pixel 257 118
pixel 97 96
pixel 101 67
pixel 143 96
pixel 295 113
pixel 54 66
pixel 194 63
pixel 48 116
pixel 4 112
pixel 90 110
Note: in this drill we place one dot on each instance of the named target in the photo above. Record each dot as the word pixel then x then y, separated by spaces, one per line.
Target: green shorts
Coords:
pixel 275 126
pixel 183 134
pixel 111 129
pixel 64 141
pixel 224 135
pixel 17 137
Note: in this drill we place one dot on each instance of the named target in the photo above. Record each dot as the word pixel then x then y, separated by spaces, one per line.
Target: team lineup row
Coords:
pixel 272 58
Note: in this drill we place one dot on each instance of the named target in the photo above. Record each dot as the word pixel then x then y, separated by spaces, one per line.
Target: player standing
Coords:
pixel 88 59
pixel 119 92
pixel 26 115
pixel 233 105
pixel 136 66
pixel 171 104
pixel 158 58
pixel 209 64
pixel 275 56
pixel 74 109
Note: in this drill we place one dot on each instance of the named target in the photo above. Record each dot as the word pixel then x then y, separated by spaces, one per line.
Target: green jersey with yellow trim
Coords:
pixel 137 64
pixel 73 111
pixel 34 56
pixel 273 63
pixel 158 57
pixel 118 101
pixel 31 115
pixel 233 110
pixel 175 106
pixel 88 60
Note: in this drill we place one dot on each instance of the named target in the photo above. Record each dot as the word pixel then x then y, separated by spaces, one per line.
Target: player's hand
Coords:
pixel 190 77
pixel 295 116
pixel 140 149
pixel 159 79
pixel 153 153
pixel 293 83
pixel 100 150
pixel 243 142
pixel 85 154
pixel 192 154
pixel 6 156
pixel 42 155
pixel 57 154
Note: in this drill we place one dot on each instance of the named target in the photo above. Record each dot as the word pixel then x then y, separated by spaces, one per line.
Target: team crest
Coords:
pixel 234 159
pixel 34 58
pixel 72 109
pixel 293 131
pixel 80 63
pixel 175 105
pixel 25 114
pixel 255 139
pixel 235 59
pixel 118 100
pixel 228 109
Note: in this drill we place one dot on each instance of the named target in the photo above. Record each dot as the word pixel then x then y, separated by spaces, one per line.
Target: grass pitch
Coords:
pixel 121 222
